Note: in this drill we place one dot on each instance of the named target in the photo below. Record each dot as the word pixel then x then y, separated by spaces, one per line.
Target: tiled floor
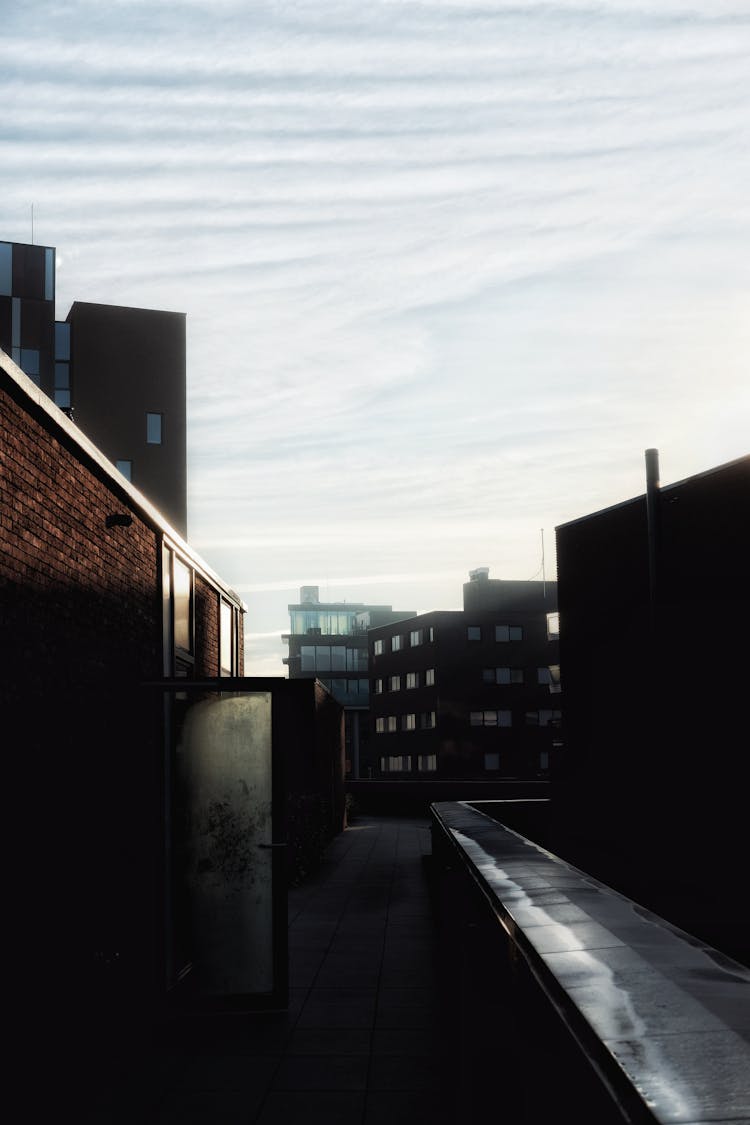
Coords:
pixel 358 1043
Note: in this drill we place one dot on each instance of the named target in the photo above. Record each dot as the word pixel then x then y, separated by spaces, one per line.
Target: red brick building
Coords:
pixel 98 597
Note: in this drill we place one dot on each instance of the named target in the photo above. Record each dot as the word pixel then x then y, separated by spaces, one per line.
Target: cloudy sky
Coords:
pixel 449 267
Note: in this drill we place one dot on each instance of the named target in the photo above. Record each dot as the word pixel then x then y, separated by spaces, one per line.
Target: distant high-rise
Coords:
pixel 328 641
pixel 119 372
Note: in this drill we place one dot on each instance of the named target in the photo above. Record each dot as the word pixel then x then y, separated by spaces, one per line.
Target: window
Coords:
pixel 408 722
pixel 399 763
pixel 29 363
pixel 416 637
pixel 377 687
pixel 429 677
pixel 427 763
pixel 553 626
pixel 427 720
pixel 543 718
pixel 555 686
pixel 431 634
pixel 6 269
pixel 544 760
pixel 543 676
pixel 504 633
pixel 473 633
pixel 488 676
pixel 492 761
pixel 491 718
pixel 392 723
pixel 394 683
pixel 397 643
pixel 412 680
pixel 178 615
pixel 183 596
pixel 377 648
pixel 227 640
pixel 380 726
pixel 154 429
pixel 509 675
pixel 62 340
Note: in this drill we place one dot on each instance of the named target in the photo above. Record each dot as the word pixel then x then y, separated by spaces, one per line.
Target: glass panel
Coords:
pixel 322 659
pixel 30 361
pixel 338 658
pixel 502 633
pixel 126 468
pixel 307 658
pixel 62 340
pixel 492 761
pixel 62 398
pixel 474 633
pixel 226 638
pixel 516 633
pixel 62 375
pixel 49 273
pixel 16 322
pixel 182 617
pixel 6 269
pixel 223 875
pixel 153 429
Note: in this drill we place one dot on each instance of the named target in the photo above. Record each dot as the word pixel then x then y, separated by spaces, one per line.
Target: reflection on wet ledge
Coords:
pixel 665 1019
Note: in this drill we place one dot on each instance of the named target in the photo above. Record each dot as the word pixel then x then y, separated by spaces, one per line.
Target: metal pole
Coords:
pixel 654 530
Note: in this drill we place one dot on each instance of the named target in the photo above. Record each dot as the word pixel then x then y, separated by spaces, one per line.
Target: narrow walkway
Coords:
pixel 358 1044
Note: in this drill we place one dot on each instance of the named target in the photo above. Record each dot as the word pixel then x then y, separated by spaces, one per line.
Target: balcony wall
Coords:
pixel 564 1000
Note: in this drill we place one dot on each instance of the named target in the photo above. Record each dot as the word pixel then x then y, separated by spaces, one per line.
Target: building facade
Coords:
pixel 100 600
pixel 469 693
pixel 328 641
pixel 120 372
pixel 654 611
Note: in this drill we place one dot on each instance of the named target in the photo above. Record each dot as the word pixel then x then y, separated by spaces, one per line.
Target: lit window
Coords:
pixel 399 763
pixel 492 761
pixel 377 648
pixel 227 640
pixel 183 623
pixel 416 636
pixel 427 763
pixel 126 468
pixel 412 680
pixel 408 722
pixel 394 683
pixel 554 686
pixel 505 633
pixel 154 429
pixel 377 687
pixel 473 633
pixel 553 626
pixel 380 726
pixel 429 677
pixel 396 643
pixel 392 723
pixel 491 718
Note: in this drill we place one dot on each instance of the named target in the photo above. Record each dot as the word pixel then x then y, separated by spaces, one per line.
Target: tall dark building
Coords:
pixel 119 372
pixel 328 641
pixel 655 612
pixel 471 693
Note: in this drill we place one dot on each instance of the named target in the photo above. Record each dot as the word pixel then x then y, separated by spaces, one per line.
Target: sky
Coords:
pixel 449 266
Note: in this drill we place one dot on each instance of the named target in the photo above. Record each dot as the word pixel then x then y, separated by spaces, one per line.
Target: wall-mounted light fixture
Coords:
pixel 119 519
